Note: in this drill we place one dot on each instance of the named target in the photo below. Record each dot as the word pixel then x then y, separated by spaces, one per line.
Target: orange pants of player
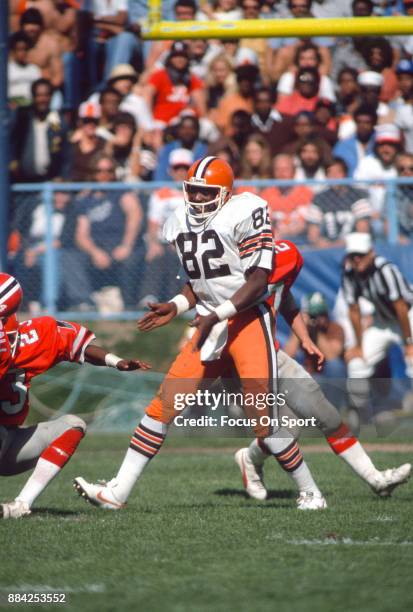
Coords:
pixel 250 350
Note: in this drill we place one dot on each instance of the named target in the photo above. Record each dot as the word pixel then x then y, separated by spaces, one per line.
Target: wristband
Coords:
pixel 408 341
pixel 181 303
pixel 226 310
pixel 112 360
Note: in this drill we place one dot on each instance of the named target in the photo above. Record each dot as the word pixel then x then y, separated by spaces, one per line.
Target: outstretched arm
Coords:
pixel 98 356
pixel 162 313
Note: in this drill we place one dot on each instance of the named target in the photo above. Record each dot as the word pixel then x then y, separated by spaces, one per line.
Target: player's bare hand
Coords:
pixel 132 364
pixel 312 349
pixel 356 352
pixel 204 326
pixel 160 314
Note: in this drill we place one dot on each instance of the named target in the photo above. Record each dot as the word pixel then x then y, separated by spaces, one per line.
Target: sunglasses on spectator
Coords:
pixel 306 78
pixel 90 120
pixel 405 168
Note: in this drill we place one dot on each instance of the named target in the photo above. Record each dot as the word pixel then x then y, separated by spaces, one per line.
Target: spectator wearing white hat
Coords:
pixel 85 145
pixel 161 261
pixel 380 165
pixel 367 275
pixel 123 79
pixel 370 84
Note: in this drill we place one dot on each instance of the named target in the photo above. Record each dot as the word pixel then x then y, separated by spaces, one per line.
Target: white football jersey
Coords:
pixel 217 254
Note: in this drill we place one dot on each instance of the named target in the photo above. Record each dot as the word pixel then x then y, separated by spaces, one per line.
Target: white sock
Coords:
pixel 43 473
pixel 134 463
pixel 304 479
pixel 288 455
pixel 256 455
pixel 359 461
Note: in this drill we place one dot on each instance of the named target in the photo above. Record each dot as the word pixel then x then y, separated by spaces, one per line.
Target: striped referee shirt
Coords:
pixel 383 285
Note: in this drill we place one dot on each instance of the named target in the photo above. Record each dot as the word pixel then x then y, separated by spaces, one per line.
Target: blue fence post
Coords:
pixel 391 213
pixel 49 261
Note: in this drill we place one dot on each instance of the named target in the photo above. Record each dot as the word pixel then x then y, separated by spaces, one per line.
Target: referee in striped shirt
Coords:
pixel 373 277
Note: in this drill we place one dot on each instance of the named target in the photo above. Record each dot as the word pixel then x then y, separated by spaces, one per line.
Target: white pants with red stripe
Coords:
pixel 304 395
pixel 21 448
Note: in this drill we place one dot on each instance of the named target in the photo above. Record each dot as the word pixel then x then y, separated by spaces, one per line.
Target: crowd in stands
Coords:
pixel 90 101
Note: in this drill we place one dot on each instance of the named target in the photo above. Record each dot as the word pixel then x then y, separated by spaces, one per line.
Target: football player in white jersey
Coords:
pixel 225 245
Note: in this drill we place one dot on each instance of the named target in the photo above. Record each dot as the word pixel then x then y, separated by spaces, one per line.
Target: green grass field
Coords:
pixel 190 540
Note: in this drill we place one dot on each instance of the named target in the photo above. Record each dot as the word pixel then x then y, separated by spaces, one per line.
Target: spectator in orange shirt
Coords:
pixel 247 76
pixel 287 204
pixel 305 94
pixel 172 89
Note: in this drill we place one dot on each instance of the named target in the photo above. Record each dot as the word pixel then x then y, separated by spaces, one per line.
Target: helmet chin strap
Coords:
pixel 15 342
pixel 204 217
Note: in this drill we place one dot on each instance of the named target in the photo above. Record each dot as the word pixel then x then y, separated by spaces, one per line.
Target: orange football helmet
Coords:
pixel 207 187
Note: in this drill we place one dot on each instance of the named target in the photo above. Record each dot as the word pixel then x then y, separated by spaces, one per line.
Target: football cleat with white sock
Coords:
pixel 15 509
pixel 388 480
pixel 311 501
pixel 100 494
pixel 251 475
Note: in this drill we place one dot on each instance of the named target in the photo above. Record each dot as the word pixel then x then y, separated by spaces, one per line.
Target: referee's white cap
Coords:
pixel 359 242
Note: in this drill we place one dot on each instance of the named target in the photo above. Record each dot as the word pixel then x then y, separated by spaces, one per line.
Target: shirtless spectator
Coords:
pixel 287 204
pixel 380 58
pixel 45 51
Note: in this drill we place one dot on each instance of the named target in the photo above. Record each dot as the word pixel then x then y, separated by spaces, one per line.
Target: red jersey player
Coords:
pixel 305 397
pixel 26 350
